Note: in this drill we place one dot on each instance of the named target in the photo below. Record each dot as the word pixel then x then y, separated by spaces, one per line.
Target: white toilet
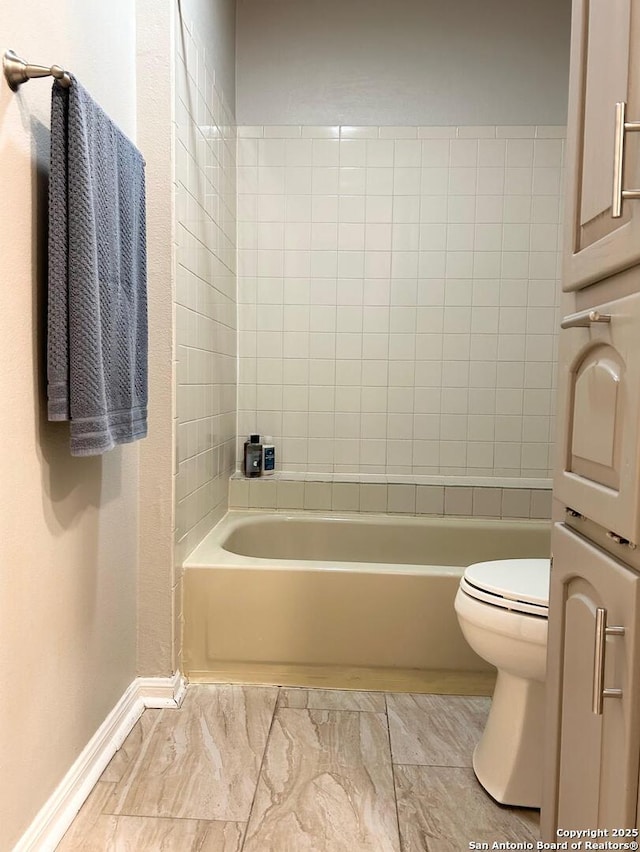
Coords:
pixel 502 608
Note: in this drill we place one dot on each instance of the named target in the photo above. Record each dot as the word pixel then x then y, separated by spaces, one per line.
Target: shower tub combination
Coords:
pixel 348 600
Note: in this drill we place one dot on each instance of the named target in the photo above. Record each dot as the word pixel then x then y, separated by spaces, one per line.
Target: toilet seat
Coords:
pixel 520 585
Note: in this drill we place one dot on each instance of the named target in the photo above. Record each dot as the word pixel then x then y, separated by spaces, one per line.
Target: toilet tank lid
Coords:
pixel 515 579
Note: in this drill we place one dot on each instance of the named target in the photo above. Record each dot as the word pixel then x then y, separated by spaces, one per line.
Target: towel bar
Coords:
pixel 17 71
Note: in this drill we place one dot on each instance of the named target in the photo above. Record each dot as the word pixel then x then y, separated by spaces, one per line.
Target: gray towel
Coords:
pixel 97 306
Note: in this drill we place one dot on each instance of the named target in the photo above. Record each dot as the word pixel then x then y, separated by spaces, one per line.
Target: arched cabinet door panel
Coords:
pixel 597 397
pixel 604 72
pixel 596 473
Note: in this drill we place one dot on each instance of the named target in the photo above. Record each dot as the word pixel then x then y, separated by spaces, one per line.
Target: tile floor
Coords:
pixel 268 769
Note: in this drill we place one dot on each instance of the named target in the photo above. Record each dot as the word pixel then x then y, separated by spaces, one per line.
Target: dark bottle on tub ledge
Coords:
pixel 253 456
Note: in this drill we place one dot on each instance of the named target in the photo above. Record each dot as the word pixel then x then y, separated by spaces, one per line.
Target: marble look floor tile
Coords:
pixel 130 748
pixel 224 837
pixel 435 730
pixel 441 809
pixel 332 699
pixel 87 817
pixel 155 834
pixel 200 762
pixel 326 785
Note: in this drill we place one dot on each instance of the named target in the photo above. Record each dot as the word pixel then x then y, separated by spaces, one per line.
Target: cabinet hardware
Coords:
pixel 601 633
pixel 583 319
pixel 621 127
pixel 620 540
pixel 572 513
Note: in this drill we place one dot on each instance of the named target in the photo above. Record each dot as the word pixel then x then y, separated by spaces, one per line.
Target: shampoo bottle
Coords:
pixel 253 456
pixel 268 456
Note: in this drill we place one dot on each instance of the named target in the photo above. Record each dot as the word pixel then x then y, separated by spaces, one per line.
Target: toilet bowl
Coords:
pixel 502 609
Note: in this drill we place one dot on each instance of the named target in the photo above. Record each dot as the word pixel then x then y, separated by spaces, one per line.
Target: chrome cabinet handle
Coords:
pixel 601 633
pixel 621 540
pixel 621 127
pixel 583 319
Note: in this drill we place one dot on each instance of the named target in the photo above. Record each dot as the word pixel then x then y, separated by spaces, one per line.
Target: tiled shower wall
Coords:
pixel 398 297
pixel 206 285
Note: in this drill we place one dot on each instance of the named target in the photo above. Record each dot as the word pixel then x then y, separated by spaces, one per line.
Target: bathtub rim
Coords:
pixel 209 553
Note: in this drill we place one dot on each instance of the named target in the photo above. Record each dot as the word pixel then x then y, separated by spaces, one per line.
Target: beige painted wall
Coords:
pixel 68 528
pixel 423 62
pixel 215 21
pixel 159 605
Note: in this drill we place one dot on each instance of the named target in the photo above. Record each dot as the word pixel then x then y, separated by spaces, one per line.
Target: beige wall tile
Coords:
pixel 263 493
pixel 373 395
pixel 345 496
pixel 239 493
pixel 401 499
pixel 317 495
pixel 516 502
pixel 458 500
pixel 541 503
pixel 290 495
pixel 205 292
pixel 430 500
pixel 373 497
pixel 487 502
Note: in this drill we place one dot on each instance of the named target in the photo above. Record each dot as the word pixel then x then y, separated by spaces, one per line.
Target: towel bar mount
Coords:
pixel 18 71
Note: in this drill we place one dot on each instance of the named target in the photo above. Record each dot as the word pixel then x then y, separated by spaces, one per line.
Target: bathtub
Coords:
pixel 362 601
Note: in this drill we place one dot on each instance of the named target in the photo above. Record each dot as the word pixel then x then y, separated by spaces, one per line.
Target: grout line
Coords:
pixel 264 754
pixel 393 774
pixel 173 818
pixel 132 770
pixel 436 766
pixel 330 709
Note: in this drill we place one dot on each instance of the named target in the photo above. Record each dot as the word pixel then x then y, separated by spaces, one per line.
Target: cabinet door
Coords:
pixel 592 771
pixel 598 453
pixel 604 71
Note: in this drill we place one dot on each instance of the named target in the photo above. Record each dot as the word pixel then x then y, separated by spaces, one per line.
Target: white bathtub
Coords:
pixel 300 598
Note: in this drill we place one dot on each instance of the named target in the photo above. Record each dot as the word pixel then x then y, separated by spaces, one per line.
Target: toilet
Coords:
pixel 502 609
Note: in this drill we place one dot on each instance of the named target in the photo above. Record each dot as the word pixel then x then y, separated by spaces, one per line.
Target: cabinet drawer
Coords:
pixel 599 417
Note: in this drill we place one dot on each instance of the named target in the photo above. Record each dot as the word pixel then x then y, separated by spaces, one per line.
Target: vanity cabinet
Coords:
pixel 593 683
pixel 604 72
pixel 592 743
pixel 598 453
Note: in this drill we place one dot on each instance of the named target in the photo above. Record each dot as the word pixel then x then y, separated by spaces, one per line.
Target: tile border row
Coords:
pixel 297 131
pixel 391 498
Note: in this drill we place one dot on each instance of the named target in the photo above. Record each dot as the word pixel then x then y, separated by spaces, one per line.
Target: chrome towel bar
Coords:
pixel 583 319
pixel 17 71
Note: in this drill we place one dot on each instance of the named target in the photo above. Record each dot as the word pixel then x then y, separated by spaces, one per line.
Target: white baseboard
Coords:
pixel 59 811
pixel 161 692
